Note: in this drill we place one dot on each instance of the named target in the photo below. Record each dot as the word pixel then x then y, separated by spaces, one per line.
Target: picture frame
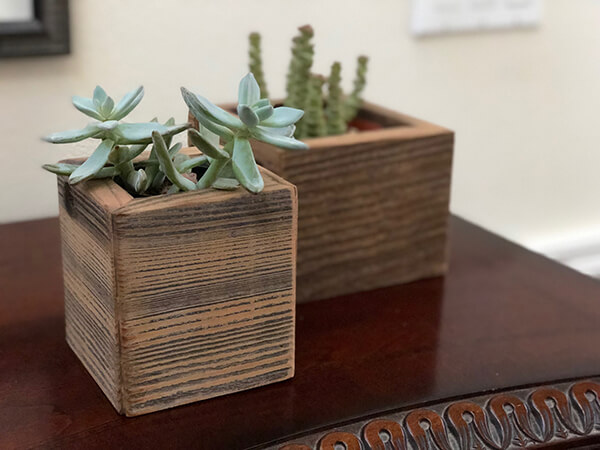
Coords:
pixel 46 34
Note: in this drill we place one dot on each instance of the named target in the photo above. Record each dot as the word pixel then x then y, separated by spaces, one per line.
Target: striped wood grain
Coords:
pixel 373 206
pixel 179 298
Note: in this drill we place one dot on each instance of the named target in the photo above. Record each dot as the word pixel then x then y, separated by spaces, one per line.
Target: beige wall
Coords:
pixel 524 104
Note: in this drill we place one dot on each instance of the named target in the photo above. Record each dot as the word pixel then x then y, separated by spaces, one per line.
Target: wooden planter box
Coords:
pixel 177 298
pixel 373 205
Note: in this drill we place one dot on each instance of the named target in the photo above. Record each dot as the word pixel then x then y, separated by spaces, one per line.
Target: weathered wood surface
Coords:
pixel 373 206
pixel 178 298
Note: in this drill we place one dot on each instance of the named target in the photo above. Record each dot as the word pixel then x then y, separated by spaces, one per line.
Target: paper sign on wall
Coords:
pixel 448 16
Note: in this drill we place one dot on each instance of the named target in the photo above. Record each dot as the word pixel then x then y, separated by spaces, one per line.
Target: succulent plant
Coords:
pixel 256 65
pixel 226 167
pixel 339 110
pixel 335 102
pixel 234 161
pixel 314 121
pixel 354 100
pixel 299 73
pixel 120 142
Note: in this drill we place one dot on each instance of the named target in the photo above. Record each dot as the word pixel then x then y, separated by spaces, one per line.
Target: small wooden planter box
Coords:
pixel 177 298
pixel 373 205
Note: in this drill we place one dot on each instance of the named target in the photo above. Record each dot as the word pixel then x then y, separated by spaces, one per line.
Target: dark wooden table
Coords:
pixel 504 351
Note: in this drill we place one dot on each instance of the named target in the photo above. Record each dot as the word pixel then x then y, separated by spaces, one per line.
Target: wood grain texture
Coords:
pixel 373 205
pixel 177 298
pixel 88 245
pixel 502 319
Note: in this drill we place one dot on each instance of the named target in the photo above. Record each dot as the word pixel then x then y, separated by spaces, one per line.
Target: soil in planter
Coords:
pixel 359 124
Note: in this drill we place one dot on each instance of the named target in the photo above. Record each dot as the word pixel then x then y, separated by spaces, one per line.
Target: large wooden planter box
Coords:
pixel 373 205
pixel 177 298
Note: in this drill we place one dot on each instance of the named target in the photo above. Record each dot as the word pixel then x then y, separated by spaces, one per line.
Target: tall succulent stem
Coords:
pixel 314 119
pixel 335 106
pixel 354 100
pixel 299 73
pixel 256 64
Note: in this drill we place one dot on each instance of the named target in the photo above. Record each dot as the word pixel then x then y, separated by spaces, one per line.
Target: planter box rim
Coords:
pixel 407 128
pixel 122 201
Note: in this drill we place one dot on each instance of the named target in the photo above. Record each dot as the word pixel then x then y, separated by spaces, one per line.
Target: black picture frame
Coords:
pixel 47 34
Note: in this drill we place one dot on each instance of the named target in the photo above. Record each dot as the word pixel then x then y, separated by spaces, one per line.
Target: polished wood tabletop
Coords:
pixel 503 351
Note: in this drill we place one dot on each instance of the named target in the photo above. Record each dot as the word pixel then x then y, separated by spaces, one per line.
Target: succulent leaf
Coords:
pixel 178 159
pixel 278 139
pixel 65 137
pixel 195 107
pixel 99 97
pixel 283 131
pixel 94 163
pixel 212 111
pixel 264 112
pixel 136 150
pixel 86 106
pixel 283 116
pixel 106 108
pixel 188 165
pixel 175 149
pixel 248 92
pixel 137 180
pixel 167 166
pixel 214 128
pixel 121 153
pixel 60 168
pixel 212 173
pixel 227 171
pixel 226 184
pixel 108 125
pixel 206 147
pixel 262 102
pixel 208 135
pixel 158 180
pixel 68 169
pixel 141 133
pixel 247 115
pixel 244 166
pixel 127 103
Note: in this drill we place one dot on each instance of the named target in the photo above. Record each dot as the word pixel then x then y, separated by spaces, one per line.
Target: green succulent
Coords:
pixel 256 65
pixel 354 100
pixel 335 102
pixel 234 161
pixel 115 136
pixel 314 122
pixel 337 108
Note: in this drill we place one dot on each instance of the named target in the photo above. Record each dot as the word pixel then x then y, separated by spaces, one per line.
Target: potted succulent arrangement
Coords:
pixel 373 188
pixel 179 282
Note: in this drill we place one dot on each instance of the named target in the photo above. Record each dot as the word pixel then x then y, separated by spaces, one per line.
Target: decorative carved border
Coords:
pixel 535 417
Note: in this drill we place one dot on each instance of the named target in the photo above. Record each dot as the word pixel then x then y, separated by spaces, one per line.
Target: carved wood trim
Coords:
pixel 539 416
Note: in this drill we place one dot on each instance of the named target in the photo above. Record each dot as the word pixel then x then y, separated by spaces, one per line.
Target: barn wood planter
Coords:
pixel 177 298
pixel 373 204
